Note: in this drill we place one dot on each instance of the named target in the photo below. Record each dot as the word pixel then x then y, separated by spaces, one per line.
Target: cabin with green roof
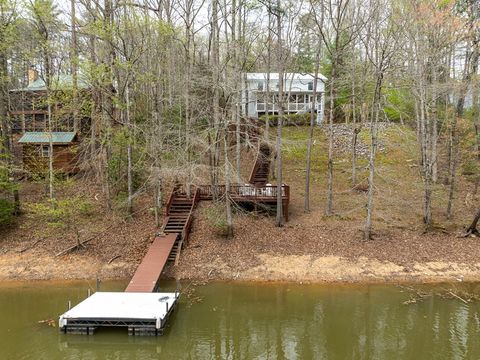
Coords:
pixel 29 125
pixel 35 152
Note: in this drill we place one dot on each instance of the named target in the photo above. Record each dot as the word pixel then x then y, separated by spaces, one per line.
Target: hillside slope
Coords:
pixel 310 247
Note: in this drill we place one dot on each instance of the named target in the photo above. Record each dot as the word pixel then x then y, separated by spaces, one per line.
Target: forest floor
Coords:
pixel 309 248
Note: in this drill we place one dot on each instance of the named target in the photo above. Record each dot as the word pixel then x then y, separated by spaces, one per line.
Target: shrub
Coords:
pixel 6 211
pixel 471 171
pixel 217 218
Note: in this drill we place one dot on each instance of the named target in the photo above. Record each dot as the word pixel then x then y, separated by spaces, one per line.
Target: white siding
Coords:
pixel 296 86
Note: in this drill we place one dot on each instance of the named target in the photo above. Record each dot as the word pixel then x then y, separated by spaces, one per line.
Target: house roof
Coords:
pixel 59 82
pixel 288 76
pixel 44 137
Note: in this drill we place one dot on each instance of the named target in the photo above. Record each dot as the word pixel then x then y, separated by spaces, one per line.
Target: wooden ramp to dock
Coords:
pixel 148 272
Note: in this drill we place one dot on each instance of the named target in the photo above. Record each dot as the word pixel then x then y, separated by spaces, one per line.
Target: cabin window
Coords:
pixel 310 85
pixel 45 149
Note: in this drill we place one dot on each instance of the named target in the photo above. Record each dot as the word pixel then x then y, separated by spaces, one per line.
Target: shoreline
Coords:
pixel 298 269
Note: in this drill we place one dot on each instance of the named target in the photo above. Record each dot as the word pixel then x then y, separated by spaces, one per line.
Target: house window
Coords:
pixel 260 85
pixel 45 150
pixel 310 86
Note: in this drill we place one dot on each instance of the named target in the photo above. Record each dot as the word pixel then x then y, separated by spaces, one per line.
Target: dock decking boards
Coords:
pixel 148 272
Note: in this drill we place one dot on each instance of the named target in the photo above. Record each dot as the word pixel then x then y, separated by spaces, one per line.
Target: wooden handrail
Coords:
pixel 255 166
pixel 170 199
pixel 169 203
pixel 186 228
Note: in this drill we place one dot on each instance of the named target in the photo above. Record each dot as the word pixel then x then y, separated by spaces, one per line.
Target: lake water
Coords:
pixel 253 321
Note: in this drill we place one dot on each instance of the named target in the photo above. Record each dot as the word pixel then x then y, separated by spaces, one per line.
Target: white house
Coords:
pixel 298 94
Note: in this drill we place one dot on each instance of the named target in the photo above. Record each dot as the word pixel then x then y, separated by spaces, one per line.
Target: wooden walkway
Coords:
pixel 148 272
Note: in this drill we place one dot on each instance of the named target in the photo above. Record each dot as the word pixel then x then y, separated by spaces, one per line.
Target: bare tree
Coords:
pixel 381 44
pixel 337 36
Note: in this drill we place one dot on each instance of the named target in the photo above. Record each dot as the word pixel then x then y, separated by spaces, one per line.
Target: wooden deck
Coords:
pixel 148 272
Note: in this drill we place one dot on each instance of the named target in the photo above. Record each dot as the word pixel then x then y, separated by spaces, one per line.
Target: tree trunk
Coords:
pixel 49 119
pixel 373 151
pixel 214 141
pixel 472 229
pixel 355 132
pixel 129 153
pixel 329 208
pixel 228 204
pixel 4 103
pixel 269 66
pixel 279 219
pixel 74 67
pixel 313 113
pixel 453 156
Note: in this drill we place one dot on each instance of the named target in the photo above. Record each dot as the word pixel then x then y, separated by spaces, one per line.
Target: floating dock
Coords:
pixel 139 308
pixel 141 313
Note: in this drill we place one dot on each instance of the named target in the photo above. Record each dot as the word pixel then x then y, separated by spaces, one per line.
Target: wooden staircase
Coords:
pixel 180 206
pixel 261 169
pixel 179 217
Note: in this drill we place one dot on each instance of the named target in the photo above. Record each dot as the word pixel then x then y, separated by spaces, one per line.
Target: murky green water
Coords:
pixel 253 321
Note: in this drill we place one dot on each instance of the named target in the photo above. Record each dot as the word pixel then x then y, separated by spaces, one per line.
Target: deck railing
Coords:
pixel 247 192
pixel 288 107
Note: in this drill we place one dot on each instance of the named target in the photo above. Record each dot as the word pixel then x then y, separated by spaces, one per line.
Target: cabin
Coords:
pixel 28 108
pixel 29 126
pixel 35 152
pixel 298 94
